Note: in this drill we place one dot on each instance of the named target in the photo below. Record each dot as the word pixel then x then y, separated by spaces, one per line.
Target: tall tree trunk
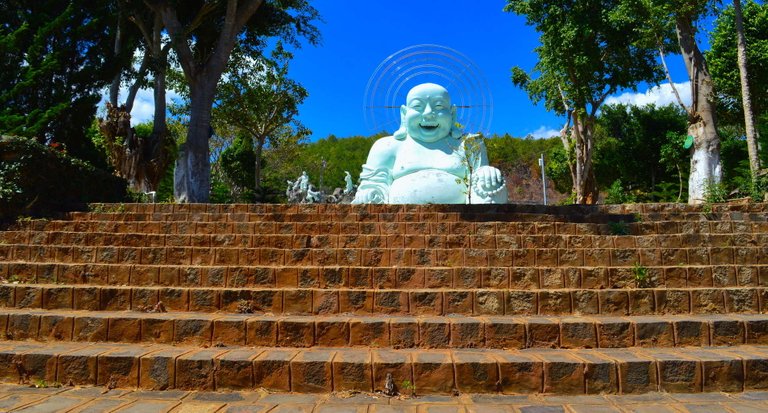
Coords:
pixel 705 158
pixel 746 97
pixel 257 169
pixel 192 175
pixel 114 88
pixel 584 184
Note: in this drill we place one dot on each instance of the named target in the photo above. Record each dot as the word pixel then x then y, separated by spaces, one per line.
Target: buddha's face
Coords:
pixel 427 113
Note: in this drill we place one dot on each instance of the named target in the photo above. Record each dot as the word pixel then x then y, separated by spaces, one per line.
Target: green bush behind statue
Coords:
pixel 36 180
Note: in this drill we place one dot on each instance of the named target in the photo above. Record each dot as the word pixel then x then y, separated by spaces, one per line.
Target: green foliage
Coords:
pixel 326 160
pixel 616 194
pixel 715 192
pixel 56 56
pixel 618 228
pixel 722 60
pixel 640 146
pixel 238 163
pixel 641 275
pixel 44 180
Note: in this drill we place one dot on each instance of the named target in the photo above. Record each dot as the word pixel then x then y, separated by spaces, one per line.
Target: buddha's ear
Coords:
pixel 401 133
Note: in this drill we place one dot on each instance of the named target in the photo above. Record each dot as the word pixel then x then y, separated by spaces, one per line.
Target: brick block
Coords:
pixel 726 331
pixel 519 373
pixel 296 332
pixel 434 332
pixel 594 277
pixel 636 374
pixel 652 332
pixel 79 367
pixel 613 302
pixel 356 301
pixel 563 373
pixel 297 301
pixel 707 301
pixel 467 332
pixel 476 372
pixel 234 369
pixel 115 298
pixel 396 363
pixel 29 296
pixel 523 278
pixel 433 372
pixel 521 302
pixel 425 303
pixel 403 332
pixel 271 370
pixel 311 371
pixel 600 373
pixel 52 327
pixel 677 373
pixel 504 333
pixel 124 328
pixel 669 301
pixel 369 332
pixel 332 332
pixel 90 328
pixel 195 370
pixel 119 367
pixel 585 302
pixel 190 331
pixel 204 300
pixel 157 328
pixel 352 370
pixel 554 302
pixel 22 326
pixel 261 331
pixel 390 302
pixel 614 332
pixel 691 332
pixel 325 302
pixel 578 333
pixel 542 332
pixel 229 331
pixel 741 300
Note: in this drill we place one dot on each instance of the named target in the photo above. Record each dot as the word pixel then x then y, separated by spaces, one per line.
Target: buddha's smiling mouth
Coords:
pixel 430 126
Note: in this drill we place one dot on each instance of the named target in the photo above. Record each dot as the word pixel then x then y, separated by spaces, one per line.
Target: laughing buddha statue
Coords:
pixel 427 161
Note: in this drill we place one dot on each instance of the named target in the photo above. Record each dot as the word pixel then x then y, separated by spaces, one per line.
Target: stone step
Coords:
pixel 436 302
pixel 641 274
pixel 588 371
pixel 520 208
pixel 386 257
pixel 489 332
pixel 288 241
pixel 390 227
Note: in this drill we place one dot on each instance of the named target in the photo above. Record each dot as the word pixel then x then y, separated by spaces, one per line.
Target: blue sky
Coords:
pixel 360 35
pixel 357 36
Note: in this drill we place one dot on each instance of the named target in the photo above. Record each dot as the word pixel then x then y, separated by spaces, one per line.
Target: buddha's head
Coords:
pixel 427 115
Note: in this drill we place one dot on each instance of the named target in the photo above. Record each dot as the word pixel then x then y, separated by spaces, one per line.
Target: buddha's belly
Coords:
pixel 429 186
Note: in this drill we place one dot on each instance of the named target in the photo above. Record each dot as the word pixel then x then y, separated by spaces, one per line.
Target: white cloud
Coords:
pixel 658 95
pixel 544 132
pixel 143 106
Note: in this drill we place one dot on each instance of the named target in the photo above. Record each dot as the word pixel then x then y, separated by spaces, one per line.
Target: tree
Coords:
pixel 258 99
pixel 141 159
pixel 589 50
pixel 629 145
pixel 670 20
pixel 740 76
pixel 203 35
pixel 55 56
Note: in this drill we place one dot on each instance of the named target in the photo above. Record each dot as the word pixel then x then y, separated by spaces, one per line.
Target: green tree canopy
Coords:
pixel 55 56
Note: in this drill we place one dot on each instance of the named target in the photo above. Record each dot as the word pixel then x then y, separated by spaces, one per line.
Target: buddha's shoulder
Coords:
pixel 386 143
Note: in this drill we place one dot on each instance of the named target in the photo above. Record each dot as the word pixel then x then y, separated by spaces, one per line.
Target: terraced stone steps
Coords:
pixel 641 274
pixel 318 298
pixel 609 371
pixel 381 331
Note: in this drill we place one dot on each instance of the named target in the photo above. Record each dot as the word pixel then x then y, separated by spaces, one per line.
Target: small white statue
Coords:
pixel 348 180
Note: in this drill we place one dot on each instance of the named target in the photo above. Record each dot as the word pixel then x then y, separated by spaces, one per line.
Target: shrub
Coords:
pixel 37 180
